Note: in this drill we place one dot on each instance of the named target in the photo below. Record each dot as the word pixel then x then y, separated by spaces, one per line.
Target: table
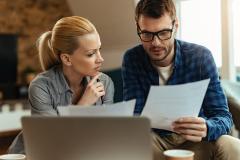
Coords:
pixel 6 138
pixel 10 126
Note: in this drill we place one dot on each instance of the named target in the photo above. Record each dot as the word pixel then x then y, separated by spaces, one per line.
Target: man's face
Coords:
pixel 161 48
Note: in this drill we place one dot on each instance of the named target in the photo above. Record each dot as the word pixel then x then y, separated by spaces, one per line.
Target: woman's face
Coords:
pixel 87 60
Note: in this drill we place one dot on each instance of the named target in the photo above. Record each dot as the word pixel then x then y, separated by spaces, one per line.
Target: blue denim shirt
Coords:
pixel 191 63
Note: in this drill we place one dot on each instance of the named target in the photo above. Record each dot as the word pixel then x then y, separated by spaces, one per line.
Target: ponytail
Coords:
pixel 48 58
pixel 62 39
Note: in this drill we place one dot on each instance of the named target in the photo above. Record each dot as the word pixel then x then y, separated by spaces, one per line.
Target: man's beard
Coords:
pixel 165 53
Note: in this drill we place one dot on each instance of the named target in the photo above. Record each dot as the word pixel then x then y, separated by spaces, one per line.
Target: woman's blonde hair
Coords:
pixel 62 39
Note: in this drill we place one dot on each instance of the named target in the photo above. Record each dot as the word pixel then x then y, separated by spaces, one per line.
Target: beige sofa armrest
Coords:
pixel 232 91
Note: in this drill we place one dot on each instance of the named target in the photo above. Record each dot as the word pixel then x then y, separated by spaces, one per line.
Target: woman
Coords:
pixel 71 60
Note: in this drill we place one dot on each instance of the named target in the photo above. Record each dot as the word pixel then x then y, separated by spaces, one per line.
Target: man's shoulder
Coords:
pixel 188 48
pixel 194 56
pixel 134 52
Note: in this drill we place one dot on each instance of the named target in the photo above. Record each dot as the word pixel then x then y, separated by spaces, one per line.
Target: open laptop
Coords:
pixel 87 138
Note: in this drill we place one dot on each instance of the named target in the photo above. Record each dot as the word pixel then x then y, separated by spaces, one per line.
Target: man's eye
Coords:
pixel 164 33
pixel 147 34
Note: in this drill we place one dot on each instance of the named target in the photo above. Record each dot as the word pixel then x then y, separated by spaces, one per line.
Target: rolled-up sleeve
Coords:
pixel 218 117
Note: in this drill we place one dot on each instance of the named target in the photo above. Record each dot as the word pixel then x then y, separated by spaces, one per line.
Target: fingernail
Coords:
pixel 180 119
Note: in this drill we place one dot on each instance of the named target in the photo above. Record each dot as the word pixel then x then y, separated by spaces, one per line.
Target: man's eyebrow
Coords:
pixel 165 29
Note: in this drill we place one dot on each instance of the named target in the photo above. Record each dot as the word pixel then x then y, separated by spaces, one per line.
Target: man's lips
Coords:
pixel 157 49
pixel 157 52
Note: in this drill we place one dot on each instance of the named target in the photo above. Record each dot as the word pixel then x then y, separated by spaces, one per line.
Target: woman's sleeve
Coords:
pixel 109 91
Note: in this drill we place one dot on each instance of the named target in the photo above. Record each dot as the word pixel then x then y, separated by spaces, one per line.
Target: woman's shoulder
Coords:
pixel 105 79
pixel 46 77
pixel 109 87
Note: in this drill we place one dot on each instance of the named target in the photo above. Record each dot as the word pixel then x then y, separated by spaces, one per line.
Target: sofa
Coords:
pixel 232 91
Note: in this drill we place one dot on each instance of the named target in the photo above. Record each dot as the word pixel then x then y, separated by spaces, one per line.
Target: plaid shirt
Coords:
pixel 192 63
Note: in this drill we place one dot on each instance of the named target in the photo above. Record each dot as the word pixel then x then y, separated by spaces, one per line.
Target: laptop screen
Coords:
pixel 87 138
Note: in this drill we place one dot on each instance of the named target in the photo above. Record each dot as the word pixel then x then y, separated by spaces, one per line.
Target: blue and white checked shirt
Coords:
pixel 192 63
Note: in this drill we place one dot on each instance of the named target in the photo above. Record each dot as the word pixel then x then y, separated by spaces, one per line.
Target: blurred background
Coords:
pixel 211 23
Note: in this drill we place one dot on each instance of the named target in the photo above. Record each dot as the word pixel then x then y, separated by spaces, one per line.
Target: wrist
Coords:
pixel 82 102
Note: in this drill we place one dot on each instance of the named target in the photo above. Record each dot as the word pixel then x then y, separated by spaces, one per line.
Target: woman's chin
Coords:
pixel 95 73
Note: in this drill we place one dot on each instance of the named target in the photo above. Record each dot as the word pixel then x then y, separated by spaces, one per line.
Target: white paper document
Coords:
pixel 125 108
pixel 165 104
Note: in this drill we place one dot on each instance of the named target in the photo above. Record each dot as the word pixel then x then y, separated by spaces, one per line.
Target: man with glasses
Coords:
pixel 163 60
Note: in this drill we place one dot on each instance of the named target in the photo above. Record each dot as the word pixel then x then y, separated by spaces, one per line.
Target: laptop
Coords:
pixel 87 138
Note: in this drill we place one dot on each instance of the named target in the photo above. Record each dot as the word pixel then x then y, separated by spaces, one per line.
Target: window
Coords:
pixel 200 23
pixel 236 31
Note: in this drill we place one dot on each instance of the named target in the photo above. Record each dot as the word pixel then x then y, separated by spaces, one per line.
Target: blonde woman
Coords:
pixel 71 60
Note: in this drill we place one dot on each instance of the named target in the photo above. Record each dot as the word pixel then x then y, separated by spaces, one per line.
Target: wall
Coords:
pixel 28 19
pixel 115 23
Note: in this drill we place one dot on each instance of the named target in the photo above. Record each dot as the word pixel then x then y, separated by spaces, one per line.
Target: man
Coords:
pixel 163 60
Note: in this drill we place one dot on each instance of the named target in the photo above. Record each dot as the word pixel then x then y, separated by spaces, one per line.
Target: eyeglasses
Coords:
pixel 164 34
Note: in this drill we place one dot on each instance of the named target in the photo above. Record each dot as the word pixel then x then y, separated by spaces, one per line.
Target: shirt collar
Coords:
pixel 62 82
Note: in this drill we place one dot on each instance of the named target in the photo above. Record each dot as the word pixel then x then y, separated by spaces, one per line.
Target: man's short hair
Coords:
pixel 155 8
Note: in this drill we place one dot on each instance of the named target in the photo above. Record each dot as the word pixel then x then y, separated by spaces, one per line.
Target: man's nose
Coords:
pixel 156 41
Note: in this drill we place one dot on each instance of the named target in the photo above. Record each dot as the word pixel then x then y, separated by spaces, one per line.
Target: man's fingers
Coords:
pixel 191 132
pixel 190 120
pixel 192 138
pixel 198 127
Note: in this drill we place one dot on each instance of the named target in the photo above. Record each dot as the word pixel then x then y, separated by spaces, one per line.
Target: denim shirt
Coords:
pixel 191 63
pixel 50 90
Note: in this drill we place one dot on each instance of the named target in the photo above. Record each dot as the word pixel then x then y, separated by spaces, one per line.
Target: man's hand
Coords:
pixel 191 128
pixel 93 92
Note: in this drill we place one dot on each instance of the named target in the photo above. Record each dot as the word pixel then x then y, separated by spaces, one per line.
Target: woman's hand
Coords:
pixel 191 128
pixel 93 92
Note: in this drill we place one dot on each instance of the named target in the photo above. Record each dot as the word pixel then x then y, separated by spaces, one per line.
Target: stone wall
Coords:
pixel 28 19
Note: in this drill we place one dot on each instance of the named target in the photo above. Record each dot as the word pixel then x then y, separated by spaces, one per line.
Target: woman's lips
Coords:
pixel 97 68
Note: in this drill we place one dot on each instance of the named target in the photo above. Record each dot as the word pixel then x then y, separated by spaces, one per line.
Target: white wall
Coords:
pixel 114 20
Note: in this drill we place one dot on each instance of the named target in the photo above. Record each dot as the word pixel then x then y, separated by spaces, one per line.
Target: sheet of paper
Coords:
pixel 166 104
pixel 125 108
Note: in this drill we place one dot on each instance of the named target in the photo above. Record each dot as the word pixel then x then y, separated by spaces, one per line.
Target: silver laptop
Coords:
pixel 87 138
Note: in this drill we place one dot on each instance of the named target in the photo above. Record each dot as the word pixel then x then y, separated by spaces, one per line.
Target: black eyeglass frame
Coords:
pixel 139 32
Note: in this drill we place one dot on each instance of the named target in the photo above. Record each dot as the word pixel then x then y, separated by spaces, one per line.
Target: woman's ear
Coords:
pixel 66 59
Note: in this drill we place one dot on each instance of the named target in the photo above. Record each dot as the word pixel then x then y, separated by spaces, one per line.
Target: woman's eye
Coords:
pixel 91 54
